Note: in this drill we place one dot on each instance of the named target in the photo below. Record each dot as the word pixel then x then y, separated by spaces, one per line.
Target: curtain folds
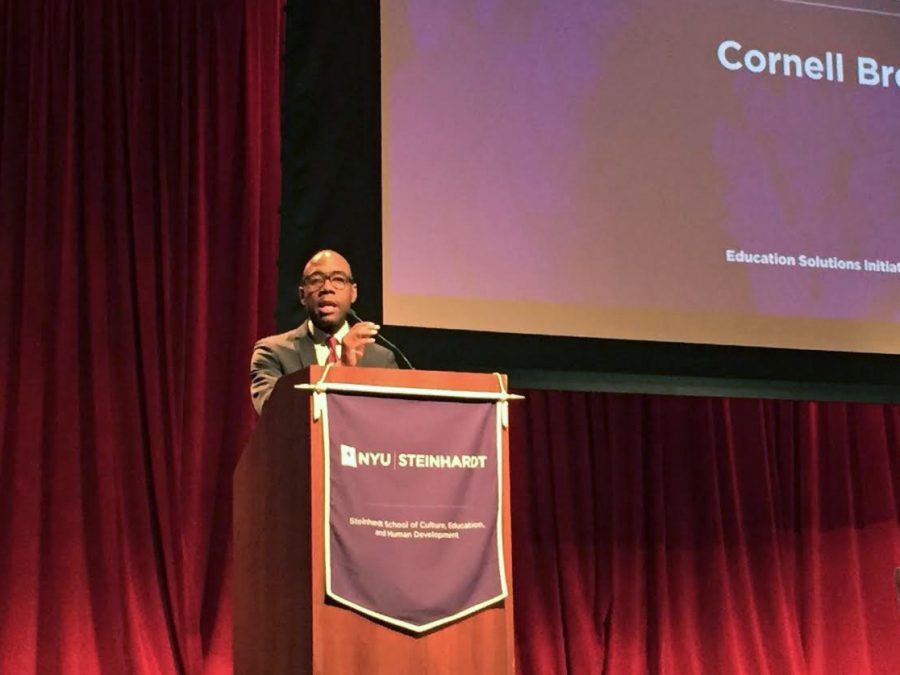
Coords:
pixel 139 188
pixel 704 535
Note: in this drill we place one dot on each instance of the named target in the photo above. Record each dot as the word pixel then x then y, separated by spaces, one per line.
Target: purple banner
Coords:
pixel 413 531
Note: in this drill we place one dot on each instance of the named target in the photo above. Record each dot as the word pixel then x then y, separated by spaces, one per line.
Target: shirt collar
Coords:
pixel 320 336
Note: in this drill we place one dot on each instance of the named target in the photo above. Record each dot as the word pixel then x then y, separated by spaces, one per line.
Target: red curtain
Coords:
pixel 656 534
pixel 139 187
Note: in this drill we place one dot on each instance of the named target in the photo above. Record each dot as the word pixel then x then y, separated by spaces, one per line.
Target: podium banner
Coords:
pixel 413 529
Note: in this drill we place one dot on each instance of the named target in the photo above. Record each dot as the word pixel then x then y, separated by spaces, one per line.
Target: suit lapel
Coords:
pixel 373 358
pixel 367 358
pixel 304 345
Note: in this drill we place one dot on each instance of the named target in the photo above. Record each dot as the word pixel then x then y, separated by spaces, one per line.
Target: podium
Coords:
pixel 283 622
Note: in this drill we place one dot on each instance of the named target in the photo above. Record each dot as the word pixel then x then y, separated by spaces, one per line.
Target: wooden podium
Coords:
pixel 282 622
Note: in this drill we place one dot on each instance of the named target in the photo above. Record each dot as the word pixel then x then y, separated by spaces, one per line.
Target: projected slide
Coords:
pixel 708 171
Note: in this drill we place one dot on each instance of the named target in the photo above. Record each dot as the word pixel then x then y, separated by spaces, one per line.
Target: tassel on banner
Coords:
pixel 503 402
pixel 319 394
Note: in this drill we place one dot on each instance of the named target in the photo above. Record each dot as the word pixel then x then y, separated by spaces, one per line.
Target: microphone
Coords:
pixel 378 336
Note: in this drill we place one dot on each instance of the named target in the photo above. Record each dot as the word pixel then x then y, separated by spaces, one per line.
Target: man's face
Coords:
pixel 321 292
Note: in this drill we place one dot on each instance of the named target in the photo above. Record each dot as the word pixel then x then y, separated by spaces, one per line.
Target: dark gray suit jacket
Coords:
pixel 289 352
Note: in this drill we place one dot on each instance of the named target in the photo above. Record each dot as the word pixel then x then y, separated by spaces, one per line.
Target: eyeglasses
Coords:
pixel 338 280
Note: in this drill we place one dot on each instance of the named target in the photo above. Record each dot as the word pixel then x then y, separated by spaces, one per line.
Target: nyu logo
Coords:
pixel 351 457
pixel 348 455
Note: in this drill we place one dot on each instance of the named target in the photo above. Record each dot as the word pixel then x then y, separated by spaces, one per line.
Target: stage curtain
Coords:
pixel 139 187
pixel 657 534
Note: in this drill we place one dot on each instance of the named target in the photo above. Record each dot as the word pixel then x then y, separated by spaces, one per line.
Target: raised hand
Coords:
pixel 353 346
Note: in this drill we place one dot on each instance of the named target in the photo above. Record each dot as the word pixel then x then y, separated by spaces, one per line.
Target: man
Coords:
pixel 327 291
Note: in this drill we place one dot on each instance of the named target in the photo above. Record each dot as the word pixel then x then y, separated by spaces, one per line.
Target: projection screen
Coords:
pixel 706 171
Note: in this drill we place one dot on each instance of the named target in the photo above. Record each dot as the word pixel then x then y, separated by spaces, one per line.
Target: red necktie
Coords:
pixel 332 350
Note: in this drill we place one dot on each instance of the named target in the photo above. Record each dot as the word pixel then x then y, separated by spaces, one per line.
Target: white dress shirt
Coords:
pixel 320 341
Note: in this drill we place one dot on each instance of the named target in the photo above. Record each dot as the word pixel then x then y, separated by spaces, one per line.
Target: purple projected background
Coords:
pixel 606 156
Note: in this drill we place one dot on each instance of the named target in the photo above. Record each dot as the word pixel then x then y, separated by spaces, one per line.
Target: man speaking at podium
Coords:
pixel 327 291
